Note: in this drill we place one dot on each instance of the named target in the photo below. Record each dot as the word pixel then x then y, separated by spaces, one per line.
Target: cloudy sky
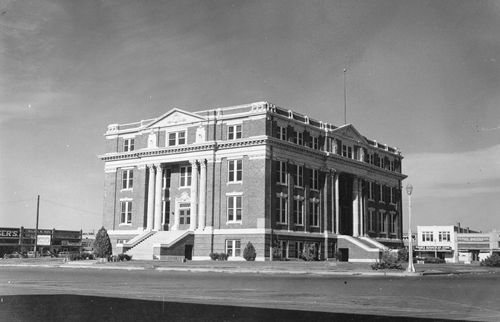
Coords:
pixel 423 76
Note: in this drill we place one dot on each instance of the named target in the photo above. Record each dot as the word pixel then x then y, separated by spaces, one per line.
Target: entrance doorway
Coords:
pixel 345 203
pixel 188 252
pixel 184 216
pixel 344 254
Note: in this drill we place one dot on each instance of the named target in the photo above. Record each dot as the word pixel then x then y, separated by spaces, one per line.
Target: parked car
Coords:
pixel 14 255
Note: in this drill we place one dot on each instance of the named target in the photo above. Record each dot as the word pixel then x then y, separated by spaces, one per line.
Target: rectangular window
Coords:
pixel 381 196
pixel 128 145
pixel 282 175
pixel 315 143
pixel 282 210
pixel 234 132
pixel 314 213
pixel 349 152
pixel 234 209
pixel 282 133
pixel 300 138
pixel 185 177
pixel 344 150
pixel 427 236
pixel 177 138
pixel 392 224
pixel 299 212
pixel 233 247
pixel 313 174
pixel 167 175
pixel 382 162
pixel 444 236
pixel 381 226
pixel 235 171
pixel 126 213
pixel 127 179
pixel 300 176
pixel 299 248
pixel 284 248
pixel 370 190
pixel 371 220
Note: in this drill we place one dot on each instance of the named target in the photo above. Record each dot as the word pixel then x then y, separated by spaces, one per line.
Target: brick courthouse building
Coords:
pixel 189 184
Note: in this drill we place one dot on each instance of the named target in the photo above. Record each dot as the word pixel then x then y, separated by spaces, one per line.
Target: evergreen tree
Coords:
pixel 249 252
pixel 102 244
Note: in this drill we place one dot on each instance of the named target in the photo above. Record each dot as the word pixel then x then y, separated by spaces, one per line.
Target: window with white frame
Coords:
pixel 235 170
pixel 392 223
pixel 371 219
pixel 314 177
pixel 347 151
pixel 127 178
pixel 284 248
pixel 167 175
pixel 381 195
pixel 233 247
pixel 370 190
pixel 315 143
pixel 444 236
pixel 126 212
pixel 298 211
pixel 427 236
pixel 185 177
pixel 391 165
pixel 392 192
pixel 128 145
pixel 381 221
pixel 382 162
pixel 234 209
pixel 314 212
pixel 234 132
pixel 299 176
pixel 281 171
pixel 299 139
pixel 282 209
pixel 281 133
pixel 299 248
pixel 177 138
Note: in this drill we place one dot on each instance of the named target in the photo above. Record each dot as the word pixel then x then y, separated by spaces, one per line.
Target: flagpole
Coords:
pixel 345 98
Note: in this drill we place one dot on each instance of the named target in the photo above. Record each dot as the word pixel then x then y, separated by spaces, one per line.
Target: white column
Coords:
pixel 337 204
pixel 203 195
pixel 151 200
pixel 176 219
pixel 194 194
pixel 159 175
pixel 355 208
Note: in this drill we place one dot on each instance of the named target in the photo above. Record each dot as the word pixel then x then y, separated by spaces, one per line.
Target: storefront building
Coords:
pixel 190 184
pixel 455 244
pixel 23 240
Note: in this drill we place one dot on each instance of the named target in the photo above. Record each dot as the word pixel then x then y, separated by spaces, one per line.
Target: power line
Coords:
pixel 71 207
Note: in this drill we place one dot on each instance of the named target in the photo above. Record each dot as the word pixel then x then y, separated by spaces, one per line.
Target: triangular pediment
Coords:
pixel 349 131
pixel 175 117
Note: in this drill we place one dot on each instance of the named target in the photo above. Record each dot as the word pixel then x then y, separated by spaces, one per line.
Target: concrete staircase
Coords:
pixel 144 249
pixel 361 249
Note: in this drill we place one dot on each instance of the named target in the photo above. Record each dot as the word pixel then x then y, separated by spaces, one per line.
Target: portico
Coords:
pixel 192 200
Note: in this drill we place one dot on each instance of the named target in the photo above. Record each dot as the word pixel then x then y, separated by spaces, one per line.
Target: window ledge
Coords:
pixel 124 224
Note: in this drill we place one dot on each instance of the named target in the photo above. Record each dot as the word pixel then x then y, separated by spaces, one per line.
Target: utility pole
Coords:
pixel 37 216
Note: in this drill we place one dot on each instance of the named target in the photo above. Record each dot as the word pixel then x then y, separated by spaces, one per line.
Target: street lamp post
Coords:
pixel 411 268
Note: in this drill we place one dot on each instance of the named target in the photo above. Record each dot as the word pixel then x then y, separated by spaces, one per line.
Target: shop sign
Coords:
pixel 69 243
pixel 433 247
pixel 473 238
pixel 32 232
pixel 9 233
pixel 43 240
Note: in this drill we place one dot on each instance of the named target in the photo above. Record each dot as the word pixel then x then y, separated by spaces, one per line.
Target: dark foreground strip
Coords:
pixel 95 308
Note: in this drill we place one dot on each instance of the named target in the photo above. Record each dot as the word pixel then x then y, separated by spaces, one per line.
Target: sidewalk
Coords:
pixel 289 267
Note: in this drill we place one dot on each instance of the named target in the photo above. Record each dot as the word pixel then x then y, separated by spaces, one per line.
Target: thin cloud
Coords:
pixel 455 175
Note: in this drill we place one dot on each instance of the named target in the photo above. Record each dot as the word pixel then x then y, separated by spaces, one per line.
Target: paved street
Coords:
pixel 471 296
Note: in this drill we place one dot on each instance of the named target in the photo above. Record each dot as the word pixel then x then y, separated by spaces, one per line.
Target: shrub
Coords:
pixel 389 260
pixel 492 261
pixel 75 257
pixel 433 260
pixel 403 255
pixel 218 256
pixel 249 252
pixel 310 252
pixel 102 244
